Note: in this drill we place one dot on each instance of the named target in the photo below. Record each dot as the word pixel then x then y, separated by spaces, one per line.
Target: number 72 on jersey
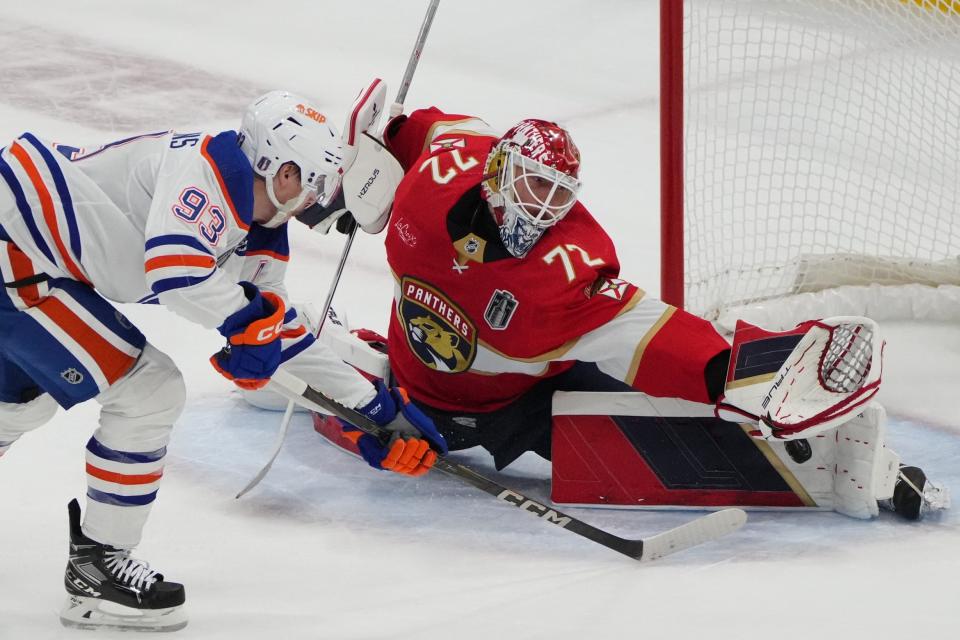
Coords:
pixel 561 251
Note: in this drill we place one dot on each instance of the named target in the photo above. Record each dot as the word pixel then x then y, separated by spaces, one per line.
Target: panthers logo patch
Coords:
pixel 438 331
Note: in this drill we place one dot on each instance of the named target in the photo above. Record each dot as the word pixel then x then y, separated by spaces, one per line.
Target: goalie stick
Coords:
pixel 698 531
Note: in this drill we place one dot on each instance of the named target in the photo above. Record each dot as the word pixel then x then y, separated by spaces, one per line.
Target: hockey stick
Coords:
pixel 288 413
pixel 695 532
pixel 395 110
pixel 397 107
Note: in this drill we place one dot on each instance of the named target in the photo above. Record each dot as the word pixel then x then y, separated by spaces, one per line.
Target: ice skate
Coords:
pixel 110 590
pixel 914 496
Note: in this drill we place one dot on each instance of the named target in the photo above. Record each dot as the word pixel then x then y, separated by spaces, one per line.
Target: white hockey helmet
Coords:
pixel 280 127
pixel 532 181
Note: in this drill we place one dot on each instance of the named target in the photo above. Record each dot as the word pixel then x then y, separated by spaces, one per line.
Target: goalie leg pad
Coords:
pixel 865 470
pixel 628 449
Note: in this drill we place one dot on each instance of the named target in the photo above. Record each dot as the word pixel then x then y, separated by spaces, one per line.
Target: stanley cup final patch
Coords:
pixel 437 330
pixel 500 309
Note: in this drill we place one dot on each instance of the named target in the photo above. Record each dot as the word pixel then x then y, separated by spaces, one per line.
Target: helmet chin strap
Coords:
pixel 283 210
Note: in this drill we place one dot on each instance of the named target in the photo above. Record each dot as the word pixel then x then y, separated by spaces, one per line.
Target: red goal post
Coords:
pixel 810 158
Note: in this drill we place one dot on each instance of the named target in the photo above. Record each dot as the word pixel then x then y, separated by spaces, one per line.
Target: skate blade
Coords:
pixel 94 613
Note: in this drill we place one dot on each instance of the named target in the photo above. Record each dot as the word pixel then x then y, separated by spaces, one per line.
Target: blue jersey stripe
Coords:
pixel 234 168
pixel 11 179
pixel 120 501
pixel 176 239
pixel 66 200
pixel 100 450
pixel 68 151
pixel 180 282
pixel 297 348
pixel 274 240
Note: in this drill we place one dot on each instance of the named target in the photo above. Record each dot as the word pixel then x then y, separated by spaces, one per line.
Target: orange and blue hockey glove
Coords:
pixel 252 353
pixel 414 443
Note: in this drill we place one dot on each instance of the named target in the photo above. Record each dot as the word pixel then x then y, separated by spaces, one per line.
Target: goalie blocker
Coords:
pixel 370 172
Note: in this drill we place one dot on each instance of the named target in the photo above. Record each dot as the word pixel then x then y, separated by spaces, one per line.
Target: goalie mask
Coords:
pixel 531 182
pixel 280 127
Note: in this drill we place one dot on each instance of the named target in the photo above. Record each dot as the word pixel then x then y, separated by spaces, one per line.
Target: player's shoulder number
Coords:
pixel 181 140
pixel 567 255
pixel 444 167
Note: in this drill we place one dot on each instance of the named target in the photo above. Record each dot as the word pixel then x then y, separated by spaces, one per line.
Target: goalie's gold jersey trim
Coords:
pixel 559 352
pixel 781 468
pixel 642 345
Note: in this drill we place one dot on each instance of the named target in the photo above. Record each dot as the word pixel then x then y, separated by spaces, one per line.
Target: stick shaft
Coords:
pixel 414 57
pixel 336 278
pixel 298 391
pixel 394 110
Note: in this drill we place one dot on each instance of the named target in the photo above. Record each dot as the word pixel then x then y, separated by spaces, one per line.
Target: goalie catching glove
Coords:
pixel 252 353
pixel 831 370
pixel 414 443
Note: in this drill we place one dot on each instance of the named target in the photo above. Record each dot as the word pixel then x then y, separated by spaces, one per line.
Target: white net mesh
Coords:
pixel 822 146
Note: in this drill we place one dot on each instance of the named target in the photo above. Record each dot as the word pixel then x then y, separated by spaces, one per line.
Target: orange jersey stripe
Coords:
pixel 179 261
pixel 49 212
pixel 269 254
pixel 23 268
pixel 112 362
pixel 223 185
pixel 293 333
pixel 123 478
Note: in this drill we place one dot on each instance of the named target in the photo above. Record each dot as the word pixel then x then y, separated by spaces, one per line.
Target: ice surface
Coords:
pixel 327 548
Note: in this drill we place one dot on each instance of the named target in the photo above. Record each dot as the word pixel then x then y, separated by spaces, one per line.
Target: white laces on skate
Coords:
pixel 132 572
pixel 935 496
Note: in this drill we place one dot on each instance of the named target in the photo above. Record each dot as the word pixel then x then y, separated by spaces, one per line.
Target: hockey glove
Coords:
pixel 252 353
pixel 414 443
pixel 832 369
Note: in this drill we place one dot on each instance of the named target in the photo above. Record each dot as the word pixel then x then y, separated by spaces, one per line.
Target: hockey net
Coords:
pixel 820 158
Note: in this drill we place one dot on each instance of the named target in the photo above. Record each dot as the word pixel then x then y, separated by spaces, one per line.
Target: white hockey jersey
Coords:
pixel 142 219
pixel 163 218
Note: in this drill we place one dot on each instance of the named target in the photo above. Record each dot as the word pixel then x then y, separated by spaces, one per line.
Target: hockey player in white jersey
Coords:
pixel 191 221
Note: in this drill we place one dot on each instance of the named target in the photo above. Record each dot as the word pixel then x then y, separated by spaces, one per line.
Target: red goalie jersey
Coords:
pixel 473 328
